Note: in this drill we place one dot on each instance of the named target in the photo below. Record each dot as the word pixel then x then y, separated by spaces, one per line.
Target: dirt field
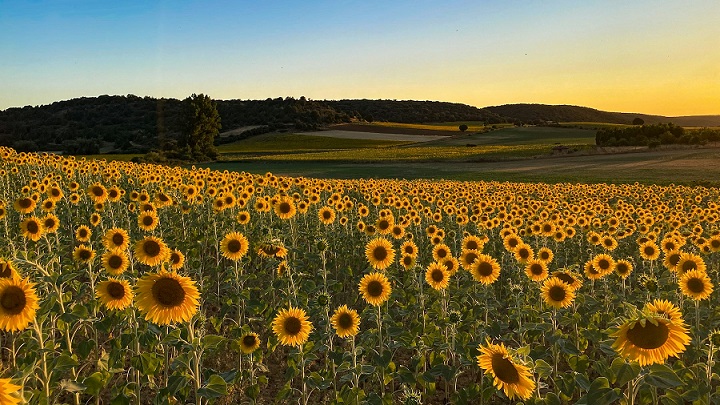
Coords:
pixel 377 136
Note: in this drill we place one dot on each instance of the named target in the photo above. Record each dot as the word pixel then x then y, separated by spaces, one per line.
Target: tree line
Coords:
pixel 655 135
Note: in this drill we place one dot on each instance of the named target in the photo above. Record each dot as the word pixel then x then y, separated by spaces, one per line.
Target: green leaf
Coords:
pixel 543 368
pixel 63 363
pixel 147 363
pixel 176 383
pixel 216 387
pixel 212 342
pixel 624 371
pixel 72 386
pixel 662 376
pixel 95 382
pixel 552 399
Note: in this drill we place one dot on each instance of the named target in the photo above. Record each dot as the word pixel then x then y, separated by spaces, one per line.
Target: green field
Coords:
pixel 524 136
pixel 294 143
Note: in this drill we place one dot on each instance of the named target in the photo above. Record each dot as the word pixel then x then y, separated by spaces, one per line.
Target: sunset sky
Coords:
pixel 656 57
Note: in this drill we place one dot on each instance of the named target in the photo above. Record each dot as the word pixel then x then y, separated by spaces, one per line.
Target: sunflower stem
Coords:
pixel 45 374
pixel 380 350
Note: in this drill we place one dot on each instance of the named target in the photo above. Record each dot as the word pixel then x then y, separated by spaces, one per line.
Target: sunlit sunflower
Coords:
pixel 472 242
pixel 523 253
pixel 649 250
pixel 379 253
pixel 696 285
pixel 536 269
pixel 115 262
pixel 83 254
pixel 116 239
pixel 556 293
pixel 292 326
pixel 545 255
pixel 249 342
pixel 18 303
pixel 375 288
pixel 243 217
pixel 485 269
pixel 513 378
pixel 83 233
pixel 468 257
pixel 664 308
pixel 326 215
pixel 437 276
pixel 285 208
pixel 167 297
pixel 114 294
pixel 452 264
pixel 440 251
pixel 51 223
pixel 623 268
pixel 603 264
pixel 570 278
pixel 407 262
pixel 7 269
pixel 177 259
pixel 8 392
pixel 24 205
pixel 234 246
pixel 346 322
pixel 151 251
pixel 651 339
pixel 688 262
pixel 409 248
pixel 32 228
pixel 97 192
pixel 148 220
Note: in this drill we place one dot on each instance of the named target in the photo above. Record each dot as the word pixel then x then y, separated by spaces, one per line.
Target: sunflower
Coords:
pixel 7 389
pixel 485 269
pixel 273 248
pixel 292 326
pixel 664 308
pixel 83 254
pixel 545 255
pixel 379 253
pixel 407 262
pixel 249 342
pixel 285 208
pixel 148 220
pixel 97 192
pixel 623 268
pixel 452 264
pixel 24 205
pixel 32 228
pixel 18 303
pixel 116 239
pixel 696 284
pixel 513 378
pixel 440 251
pixel 603 264
pixel 523 253
pixel 167 297
pixel 151 251
pixel 243 217
pixel 114 294
pixel 326 215
pixel 468 257
pixel 472 242
pixel 437 276
pixel 649 251
pixel 51 223
pixel 573 280
pixel 83 233
pixel 177 259
pixel 375 288
pixel 688 262
pixel 7 269
pixel 650 339
pixel 536 269
pixel 115 262
pixel 346 322
pixel 234 246
pixel 556 293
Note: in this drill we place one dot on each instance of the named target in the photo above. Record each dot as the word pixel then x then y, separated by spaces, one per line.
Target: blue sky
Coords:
pixel 648 56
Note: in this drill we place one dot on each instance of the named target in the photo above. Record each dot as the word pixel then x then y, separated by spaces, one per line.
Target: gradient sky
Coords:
pixel 656 57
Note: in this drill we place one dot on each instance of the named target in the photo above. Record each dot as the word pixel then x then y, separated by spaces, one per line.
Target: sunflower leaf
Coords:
pixel 662 376
pixel 624 372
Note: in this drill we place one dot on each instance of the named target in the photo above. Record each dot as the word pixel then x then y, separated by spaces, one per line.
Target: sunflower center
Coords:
pixel 471 257
pixel 449 265
pixel 82 234
pixel 437 275
pixel 375 288
pixel 524 253
pixel 13 300
pixel 689 265
pixel 485 269
pixel 536 269
pixel 604 264
pixel 407 260
pixel 84 254
pixel 284 208
pixel 504 369
pixel 168 292
pixel 25 203
pixel 674 259
pixel 441 253
pixel 151 248
pixel 566 278
pixel 384 224
pixel 649 336
pixel 649 250
pixel 49 223
pixel 249 340
pixel 175 258
pixel 345 321
pixel 695 285
pixel 292 325
pixel 33 227
pixel 97 191
pixel 116 290
pixel 118 239
pixel 234 246
pixel 471 245
pixel 557 293
pixel 544 256
pixel 380 253
pixel 115 262
pixel 326 215
pixel 621 268
pixel 148 220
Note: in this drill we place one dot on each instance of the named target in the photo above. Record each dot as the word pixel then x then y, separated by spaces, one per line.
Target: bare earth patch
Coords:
pixel 376 136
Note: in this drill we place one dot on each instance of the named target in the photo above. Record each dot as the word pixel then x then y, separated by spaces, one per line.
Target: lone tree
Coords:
pixel 201 123
pixel 463 128
pixel 638 121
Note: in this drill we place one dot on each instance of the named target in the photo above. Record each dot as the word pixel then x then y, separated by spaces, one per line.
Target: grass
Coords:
pixel 285 143
pixel 524 136
pixel 473 126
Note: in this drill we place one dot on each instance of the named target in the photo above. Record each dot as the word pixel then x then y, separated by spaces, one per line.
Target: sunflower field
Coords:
pixel 123 283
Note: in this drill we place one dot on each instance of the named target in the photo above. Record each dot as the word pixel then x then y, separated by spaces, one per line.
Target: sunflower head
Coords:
pixel 292 326
pixel 485 269
pixel 375 288
pixel 650 339
pixel 437 276
pixel 380 253
pixel 249 342
pixel 151 251
pixel 345 321
pixel 556 293
pixel 696 285
pixel 167 297
pixel 510 376
pixel 115 294
pixel 18 303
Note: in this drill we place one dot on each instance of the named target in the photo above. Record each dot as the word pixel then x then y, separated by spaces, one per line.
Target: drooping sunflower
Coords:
pixel 115 294
pixel 536 269
pixel 148 220
pixel 32 228
pixel 292 326
pixel 485 269
pixel 664 308
pixel 556 293
pixel 273 248
pixel 116 239
pixel 18 303
pixel 249 342
pixel 115 262
pixel 688 262
pixel 380 253
pixel 24 205
pixel 151 251
pixel 346 322
pixel 234 246
pixel 375 288
pixel 437 276
pixel 650 339
pixel 83 254
pixel 167 297
pixel 7 269
pixel 7 389
pixel 570 278
pixel 513 378
pixel 696 284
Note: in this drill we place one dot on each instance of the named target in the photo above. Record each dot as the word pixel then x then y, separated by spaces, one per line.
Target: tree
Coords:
pixel 638 121
pixel 201 124
pixel 463 128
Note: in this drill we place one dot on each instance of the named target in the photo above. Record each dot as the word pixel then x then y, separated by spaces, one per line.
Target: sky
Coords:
pixel 655 57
